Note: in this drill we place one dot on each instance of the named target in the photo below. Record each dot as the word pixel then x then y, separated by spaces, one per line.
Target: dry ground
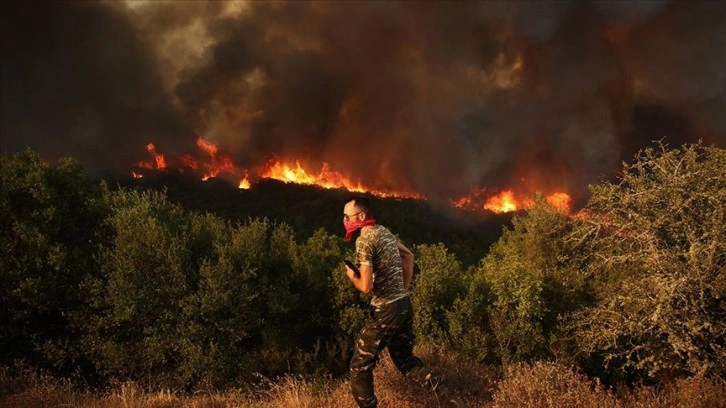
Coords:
pixel 540 385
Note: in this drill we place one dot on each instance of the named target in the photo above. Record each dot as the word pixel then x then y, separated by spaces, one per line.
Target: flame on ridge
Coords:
pixel 325 178
pixel 159 162
pixel 218 163
pixel 508 201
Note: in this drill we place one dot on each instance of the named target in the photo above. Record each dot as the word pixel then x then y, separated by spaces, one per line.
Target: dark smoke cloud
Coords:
pixel 434 97
pixel 76 80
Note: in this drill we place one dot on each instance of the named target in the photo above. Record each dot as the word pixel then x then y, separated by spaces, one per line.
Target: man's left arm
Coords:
pixel 406 264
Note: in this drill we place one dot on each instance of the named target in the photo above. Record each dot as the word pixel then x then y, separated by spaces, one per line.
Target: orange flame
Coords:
pixel 159 162
pixel 508 201
pixel 245 183
pixel 325 178
pixel 561 201
pixel 502 202
pixel 217 162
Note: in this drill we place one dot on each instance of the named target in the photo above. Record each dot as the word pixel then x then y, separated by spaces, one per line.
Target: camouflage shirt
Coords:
pixel 378 247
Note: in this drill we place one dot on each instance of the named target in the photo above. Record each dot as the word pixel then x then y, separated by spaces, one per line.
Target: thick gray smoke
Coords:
pixel 436 97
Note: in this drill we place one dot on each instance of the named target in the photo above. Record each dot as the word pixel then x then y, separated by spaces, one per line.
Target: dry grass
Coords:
pixel 539 385
pixel 553 385
pixel 692 392
pixel 549 385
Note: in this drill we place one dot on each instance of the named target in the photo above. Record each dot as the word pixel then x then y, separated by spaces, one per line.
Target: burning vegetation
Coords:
pixel 215 163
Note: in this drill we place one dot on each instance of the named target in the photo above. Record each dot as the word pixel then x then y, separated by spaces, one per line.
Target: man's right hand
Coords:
pixel 364 282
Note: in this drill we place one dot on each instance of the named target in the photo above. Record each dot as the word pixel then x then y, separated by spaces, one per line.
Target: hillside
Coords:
pixel 307 208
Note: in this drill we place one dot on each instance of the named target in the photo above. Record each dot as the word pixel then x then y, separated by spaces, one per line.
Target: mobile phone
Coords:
pixel 352 266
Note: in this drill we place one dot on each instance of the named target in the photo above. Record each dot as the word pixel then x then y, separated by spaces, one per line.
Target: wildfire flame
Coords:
pixel 245 183
pixel 159 162
pixel 297 174
pixel 217 163
pixel 561 201
pixel 503 202
pixel 508 201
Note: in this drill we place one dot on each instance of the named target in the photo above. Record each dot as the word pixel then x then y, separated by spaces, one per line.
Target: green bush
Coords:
pixel 351 306
pixel 440 283
pixel 190 300
pixel 527 281
pixel 136 310
pixel 469 322
pixel 657 242
pixel 317 266
pixel 50 229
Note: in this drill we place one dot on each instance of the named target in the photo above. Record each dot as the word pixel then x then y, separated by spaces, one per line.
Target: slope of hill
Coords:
pixel 307 208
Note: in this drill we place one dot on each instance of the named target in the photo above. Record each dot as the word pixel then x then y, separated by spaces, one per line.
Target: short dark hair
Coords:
pixel 361 203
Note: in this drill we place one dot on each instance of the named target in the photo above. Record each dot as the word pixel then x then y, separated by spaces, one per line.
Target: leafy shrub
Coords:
pixel 440 283
pixel 317 266
pixel 352 307
pixel 136 309
pixel 657 245
pixel 50 228
pixel 527 281
pixel 469 322
pixel 190 300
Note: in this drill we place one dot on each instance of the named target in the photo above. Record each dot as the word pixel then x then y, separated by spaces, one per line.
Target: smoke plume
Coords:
pixel 434 97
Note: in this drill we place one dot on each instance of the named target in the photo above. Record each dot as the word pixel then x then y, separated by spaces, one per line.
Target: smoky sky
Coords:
pixel 435 97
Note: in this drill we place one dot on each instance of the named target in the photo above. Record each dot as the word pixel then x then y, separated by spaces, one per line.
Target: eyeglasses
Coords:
pixel 348 217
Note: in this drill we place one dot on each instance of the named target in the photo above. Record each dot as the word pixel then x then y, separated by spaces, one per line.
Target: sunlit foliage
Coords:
pixel 657 247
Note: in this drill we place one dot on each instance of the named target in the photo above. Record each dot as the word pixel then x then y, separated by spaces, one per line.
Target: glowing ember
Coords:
pixel 463 202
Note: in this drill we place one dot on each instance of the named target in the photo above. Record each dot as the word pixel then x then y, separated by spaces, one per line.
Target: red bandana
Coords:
pixel 353 226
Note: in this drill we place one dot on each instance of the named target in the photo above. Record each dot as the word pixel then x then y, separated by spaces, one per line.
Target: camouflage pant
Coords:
pixel 390 326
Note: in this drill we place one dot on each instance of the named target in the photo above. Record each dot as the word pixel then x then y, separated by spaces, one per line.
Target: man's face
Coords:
pixel 351 212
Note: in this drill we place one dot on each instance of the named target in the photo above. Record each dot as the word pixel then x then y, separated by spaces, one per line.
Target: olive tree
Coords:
pixel 51 219
pixel 135 308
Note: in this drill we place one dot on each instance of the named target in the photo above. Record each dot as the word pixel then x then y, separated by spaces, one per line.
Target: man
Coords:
pixel 386 270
